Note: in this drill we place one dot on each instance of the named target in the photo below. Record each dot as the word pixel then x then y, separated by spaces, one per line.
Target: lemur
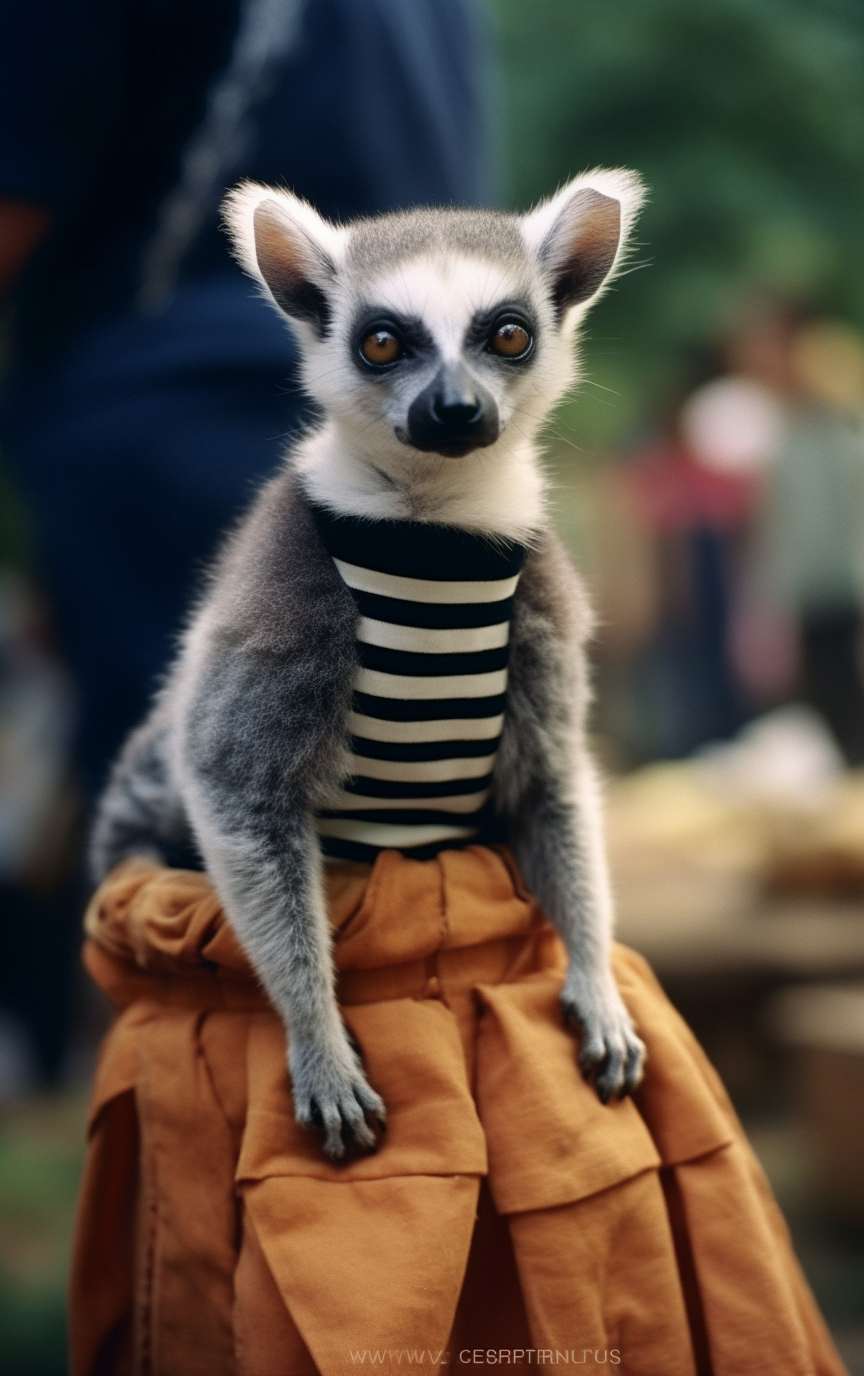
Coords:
pixel 435 342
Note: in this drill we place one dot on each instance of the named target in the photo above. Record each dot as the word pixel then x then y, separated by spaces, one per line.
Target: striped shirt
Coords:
pixel 434 608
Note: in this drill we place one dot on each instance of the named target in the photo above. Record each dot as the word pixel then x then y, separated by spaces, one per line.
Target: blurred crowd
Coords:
pixel 731 562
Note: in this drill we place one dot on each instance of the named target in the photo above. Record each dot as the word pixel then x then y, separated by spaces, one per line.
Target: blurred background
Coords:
pixel 709 475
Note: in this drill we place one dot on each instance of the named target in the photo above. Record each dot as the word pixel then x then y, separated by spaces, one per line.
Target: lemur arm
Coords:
pixel 262 697
pixel 546 785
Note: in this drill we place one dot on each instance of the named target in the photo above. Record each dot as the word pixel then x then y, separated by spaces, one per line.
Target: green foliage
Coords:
pixel 41 1150
pixel 16 536
pixel 746 118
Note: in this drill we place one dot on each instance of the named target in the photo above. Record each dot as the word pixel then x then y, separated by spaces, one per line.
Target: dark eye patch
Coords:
pixel 485 326
pixel 416 343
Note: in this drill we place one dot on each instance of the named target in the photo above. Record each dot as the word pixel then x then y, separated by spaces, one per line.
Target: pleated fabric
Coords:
pixel 507 1217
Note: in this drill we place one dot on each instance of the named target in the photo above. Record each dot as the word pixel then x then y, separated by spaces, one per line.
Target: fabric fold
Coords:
pixel 386 1257
pixel 436 1132
pixel 529 1088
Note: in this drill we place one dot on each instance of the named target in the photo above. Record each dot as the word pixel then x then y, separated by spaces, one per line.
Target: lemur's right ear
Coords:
pixel 288 246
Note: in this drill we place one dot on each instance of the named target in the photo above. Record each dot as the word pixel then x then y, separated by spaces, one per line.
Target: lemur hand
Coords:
pixel 611 1055
pixel 331 1093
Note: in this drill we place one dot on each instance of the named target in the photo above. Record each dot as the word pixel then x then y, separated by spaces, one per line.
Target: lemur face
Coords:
pixel 437 332
pixel 442 346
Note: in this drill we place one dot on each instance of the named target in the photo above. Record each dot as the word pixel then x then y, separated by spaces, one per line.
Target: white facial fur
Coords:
pixel 368 465
pixel 359 460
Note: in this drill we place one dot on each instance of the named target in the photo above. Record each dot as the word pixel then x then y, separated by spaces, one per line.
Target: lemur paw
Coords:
pixel 612 1055
pixel 331 1093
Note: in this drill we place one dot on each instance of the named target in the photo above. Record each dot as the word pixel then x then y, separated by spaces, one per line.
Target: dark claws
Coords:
pixel 351 1134
pixel 611 1069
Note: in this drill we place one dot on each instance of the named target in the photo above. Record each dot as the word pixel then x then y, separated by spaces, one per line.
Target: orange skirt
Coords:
pixel 508 1217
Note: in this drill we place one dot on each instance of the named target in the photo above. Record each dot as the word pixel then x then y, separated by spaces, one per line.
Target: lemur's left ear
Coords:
pixel 580 234
pixel 288 246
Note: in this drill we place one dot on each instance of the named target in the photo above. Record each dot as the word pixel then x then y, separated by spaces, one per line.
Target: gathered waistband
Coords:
pixel 402 928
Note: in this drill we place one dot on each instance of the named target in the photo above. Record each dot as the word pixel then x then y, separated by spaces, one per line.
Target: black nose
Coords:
pixel 453 415
pixel 460 413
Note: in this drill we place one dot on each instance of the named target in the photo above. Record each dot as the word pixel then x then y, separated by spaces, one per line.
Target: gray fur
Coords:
pixel 250 733
pixel 546 787
pixel 141 812
pixel 379 244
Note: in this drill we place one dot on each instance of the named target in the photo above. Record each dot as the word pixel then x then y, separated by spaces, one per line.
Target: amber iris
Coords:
pixel 381 347
pixel 510 340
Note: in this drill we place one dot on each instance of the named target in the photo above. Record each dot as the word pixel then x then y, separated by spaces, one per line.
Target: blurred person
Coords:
pixel 690 495
pixel 37 809
pixel 148 390
pixel 811 538
pixel 828 363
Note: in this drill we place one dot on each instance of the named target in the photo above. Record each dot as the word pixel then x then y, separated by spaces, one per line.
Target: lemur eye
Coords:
pixel 381 347
pixel 510 340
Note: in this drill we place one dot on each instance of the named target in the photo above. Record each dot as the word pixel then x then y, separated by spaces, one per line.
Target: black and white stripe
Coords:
pixel 430 690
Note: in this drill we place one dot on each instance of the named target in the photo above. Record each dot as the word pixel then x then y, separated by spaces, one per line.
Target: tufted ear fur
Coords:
pixel 580 234
pixel 288 247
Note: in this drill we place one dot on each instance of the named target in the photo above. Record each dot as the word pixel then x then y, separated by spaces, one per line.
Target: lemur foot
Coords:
pixel 331 1093
pixel 612 1055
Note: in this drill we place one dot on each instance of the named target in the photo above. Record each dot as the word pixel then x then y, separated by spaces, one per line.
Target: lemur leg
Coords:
pixel 264 858
pixel 548 787
pixel 140 812
pixel 562 854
